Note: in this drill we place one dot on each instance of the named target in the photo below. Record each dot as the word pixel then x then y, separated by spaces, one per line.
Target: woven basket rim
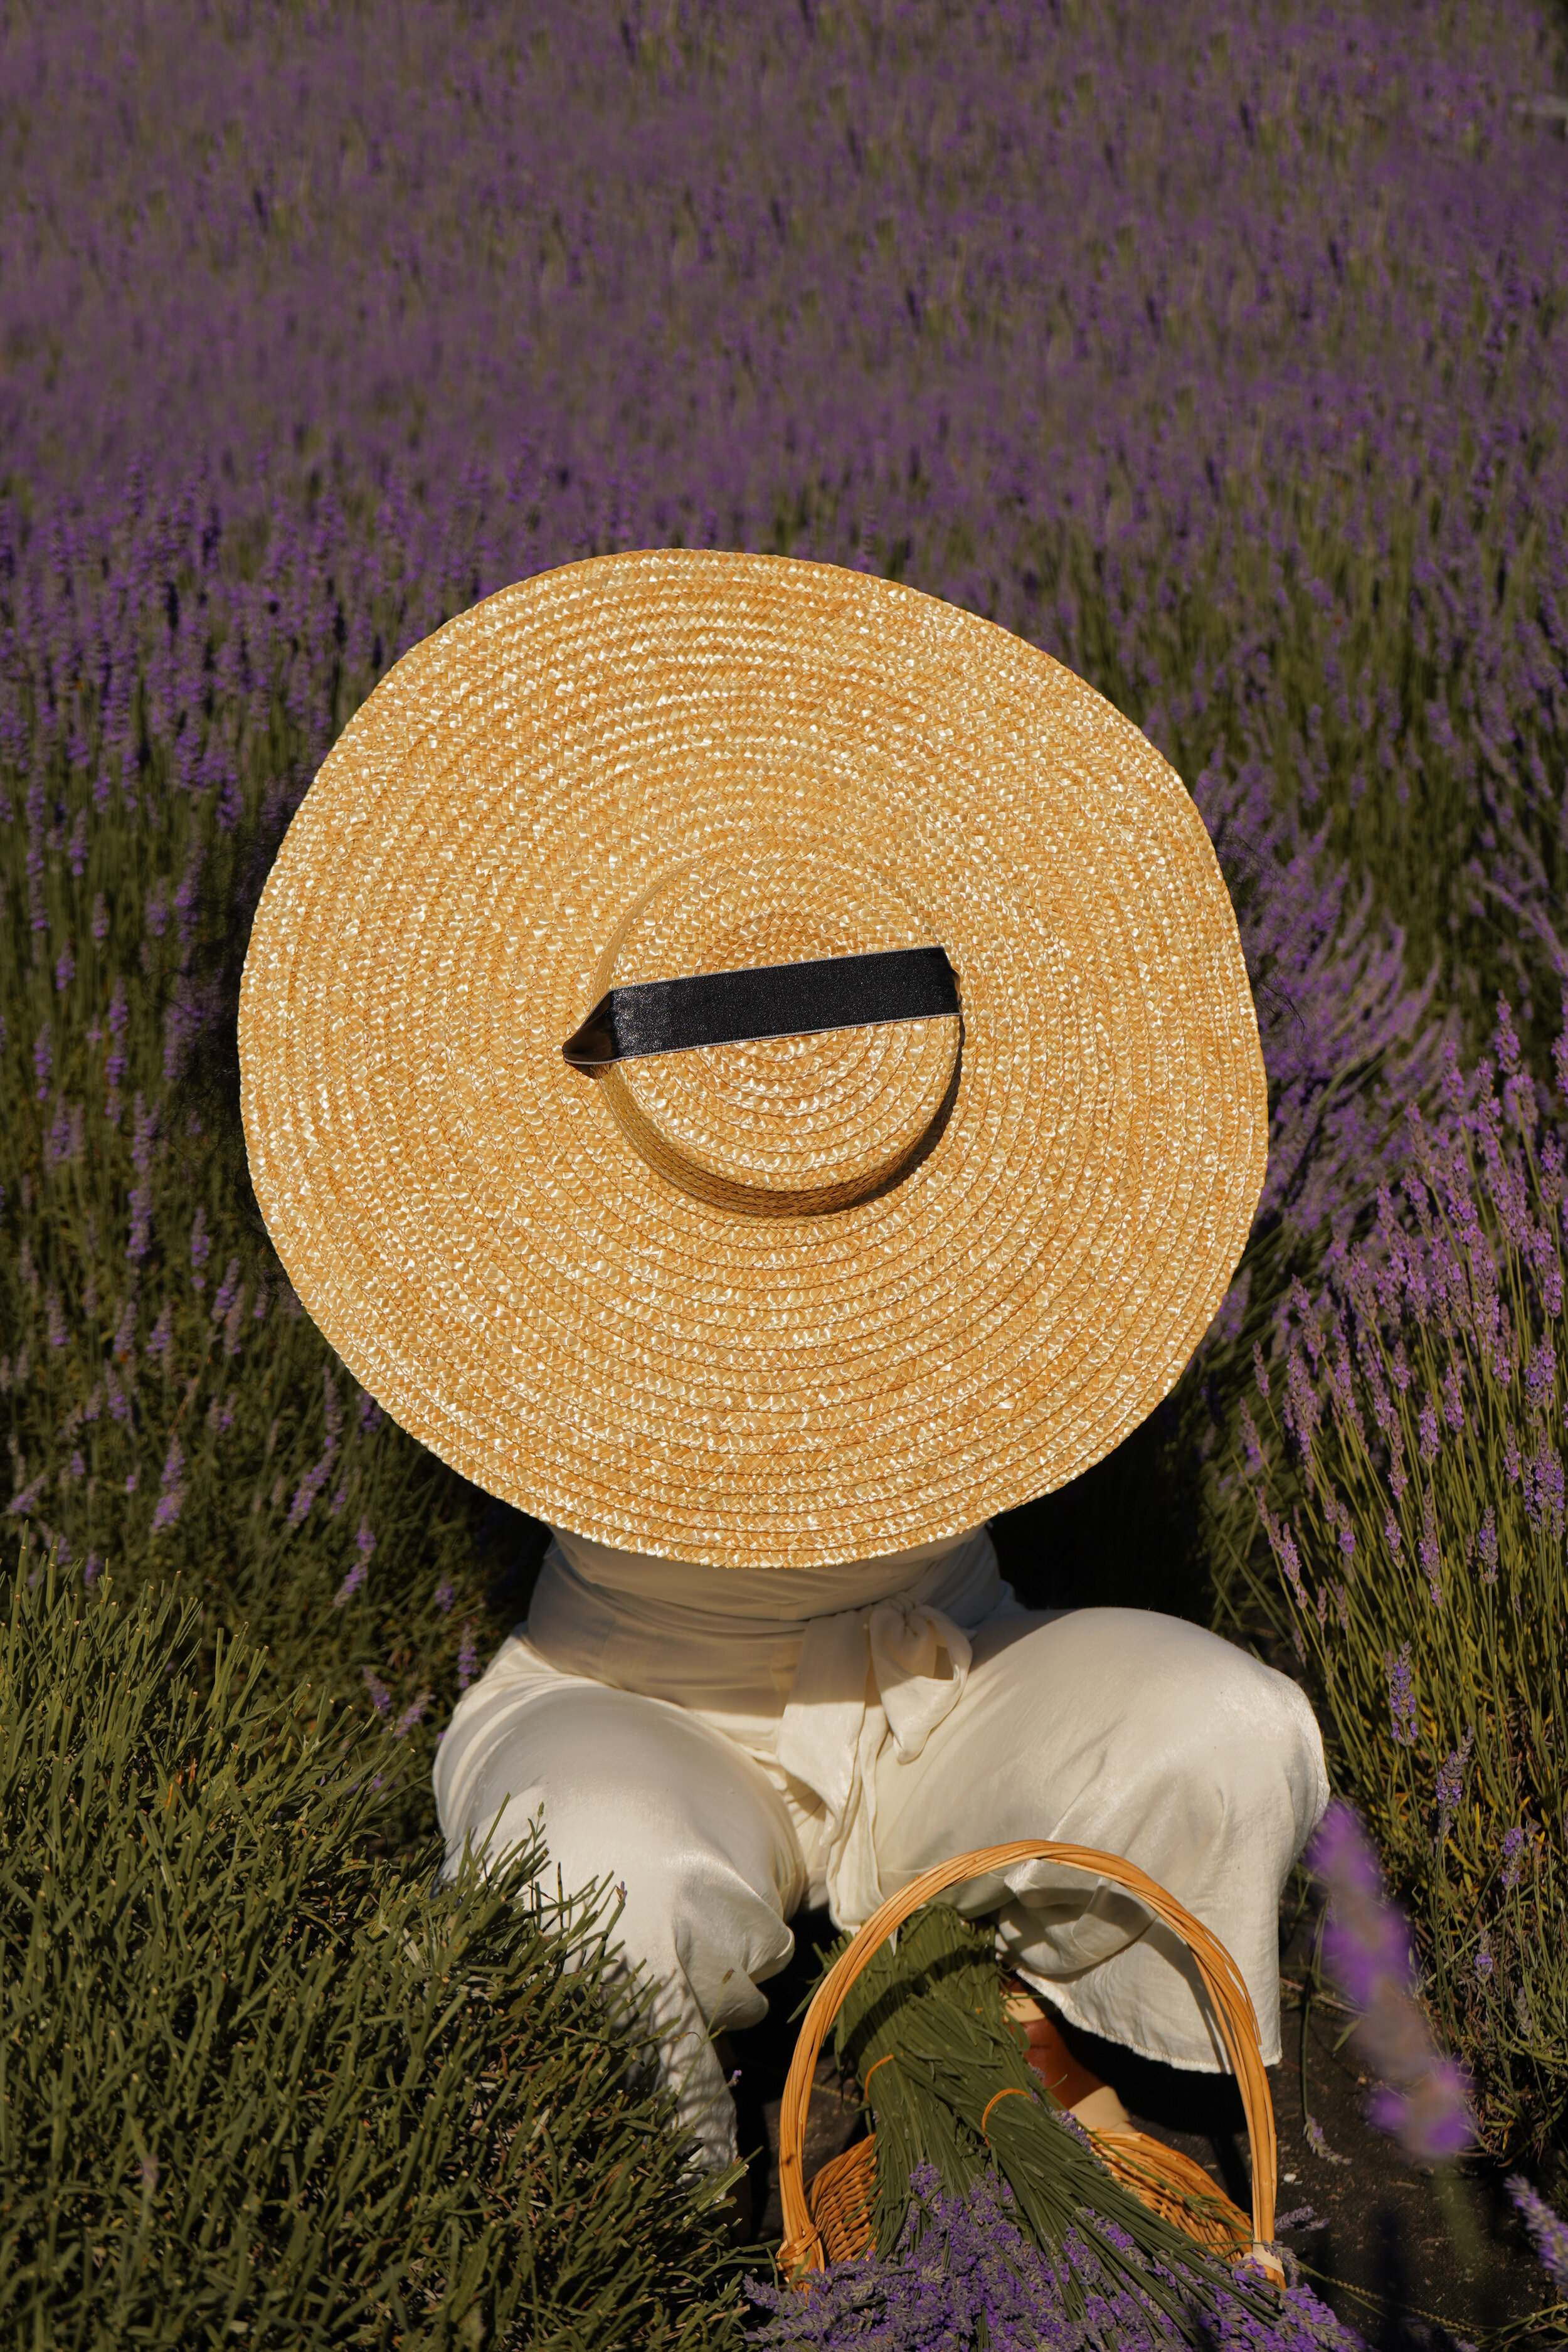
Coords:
pixel 802 2250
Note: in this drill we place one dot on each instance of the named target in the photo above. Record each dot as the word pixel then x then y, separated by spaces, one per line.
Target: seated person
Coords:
pixel 755 1067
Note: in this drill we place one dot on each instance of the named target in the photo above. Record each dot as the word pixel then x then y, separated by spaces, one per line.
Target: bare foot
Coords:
pixel 1088 2097
pixel 1063 2074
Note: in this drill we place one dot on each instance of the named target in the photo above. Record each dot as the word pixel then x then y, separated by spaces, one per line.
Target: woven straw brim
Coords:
pixel 475 1226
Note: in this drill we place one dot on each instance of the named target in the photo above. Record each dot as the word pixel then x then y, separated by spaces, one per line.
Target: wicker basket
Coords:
pixel 833 2220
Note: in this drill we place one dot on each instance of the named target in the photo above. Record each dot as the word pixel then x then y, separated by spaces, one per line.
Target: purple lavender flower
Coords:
pixel 1398 1477
pixel 467 1659
pixel 1431 2117
pixel 1514 1853
pixel 1401 1694
pixel 64 971
pixel 1548 2233
pixel 1301 1408
pixel 201 1249
pixel 161 1341
pixel 67 1135
pixel 1318 2144
pixel 1424 2099
pixel 365 1542
pixel 1545 1497
pixel 123 1345
pixel 1487 1546
pixel 445 1593
pixel 232 1325
pixel 23 1502
pixel 170 1488
pixel 43 1061
pixel 100 925
pixel 350 1585
pixel 115 1061
pixel 316 1477
pixel 1429 1547
pixel 1252 1448
pixel 306 1492
pixel 59 1334
pixel 411 1713
pixel 1541 1377
pixel 144 1135
pixel 1453 1399
pixel 381 1697
pixel 187 898
pixel 227 1292
pixel 1504 1037
pixel 1451 1780
pixel 1283 1543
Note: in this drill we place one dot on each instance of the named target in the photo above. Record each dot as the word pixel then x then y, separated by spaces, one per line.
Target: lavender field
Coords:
pixel 1220 350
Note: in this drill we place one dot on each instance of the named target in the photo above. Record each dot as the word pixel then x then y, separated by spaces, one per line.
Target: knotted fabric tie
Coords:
pixel 893 1671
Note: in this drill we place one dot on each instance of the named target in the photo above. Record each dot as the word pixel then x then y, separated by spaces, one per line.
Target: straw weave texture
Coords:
pixel 760 1305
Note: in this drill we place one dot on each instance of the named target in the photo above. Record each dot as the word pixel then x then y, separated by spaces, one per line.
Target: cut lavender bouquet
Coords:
pixel 967 2137
pixel 967 2273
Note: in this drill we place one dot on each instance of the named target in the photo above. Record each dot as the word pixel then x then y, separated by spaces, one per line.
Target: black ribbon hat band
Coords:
pixel 774 999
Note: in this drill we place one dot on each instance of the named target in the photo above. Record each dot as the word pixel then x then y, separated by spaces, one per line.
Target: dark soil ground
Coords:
pixel 1373 2242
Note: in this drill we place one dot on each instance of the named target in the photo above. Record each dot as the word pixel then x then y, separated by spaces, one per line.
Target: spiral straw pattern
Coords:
pixel 780 1303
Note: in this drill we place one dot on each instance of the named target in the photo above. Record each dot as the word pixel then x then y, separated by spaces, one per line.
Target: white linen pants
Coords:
pixel 1118 1729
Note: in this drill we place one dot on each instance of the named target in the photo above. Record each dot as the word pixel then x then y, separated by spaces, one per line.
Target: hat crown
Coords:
pixel 780 1126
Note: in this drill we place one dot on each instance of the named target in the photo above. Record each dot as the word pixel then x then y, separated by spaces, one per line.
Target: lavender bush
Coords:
pixel 1407 1461
pixel 1423 2098
pixel 169 1410
pixel 263 2086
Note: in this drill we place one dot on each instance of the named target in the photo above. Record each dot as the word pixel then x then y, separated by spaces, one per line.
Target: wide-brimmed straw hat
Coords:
pixel 786 1299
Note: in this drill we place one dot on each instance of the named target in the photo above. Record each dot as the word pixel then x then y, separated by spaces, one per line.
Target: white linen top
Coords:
pixel 812 1671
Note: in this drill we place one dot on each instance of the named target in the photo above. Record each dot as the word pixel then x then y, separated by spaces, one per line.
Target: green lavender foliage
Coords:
pixel 1405 1456
pixel 258 2085
pixel 168 1409
pixel 947 2077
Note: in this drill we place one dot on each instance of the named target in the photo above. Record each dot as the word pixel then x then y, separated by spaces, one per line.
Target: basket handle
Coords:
pixel 802 2247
